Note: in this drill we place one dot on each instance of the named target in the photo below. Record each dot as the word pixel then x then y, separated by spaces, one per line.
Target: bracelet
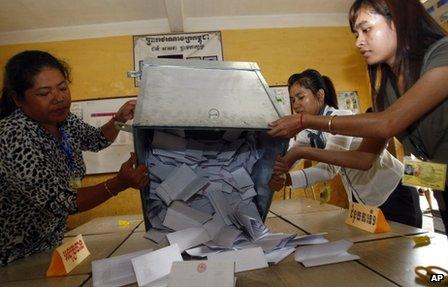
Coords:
pixel 301 121
pixel 330 122
pixel 108 190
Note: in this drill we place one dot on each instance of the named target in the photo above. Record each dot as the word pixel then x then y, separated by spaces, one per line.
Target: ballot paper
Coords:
pixel 309 239
pixel 201 251
pixel 181 184
pixel 188 238
pixel 278 255
pixel 202 274
pixel 254 227
pixel 153 268
pixel 326 253
pixel 115 271
pixel 180 216
pixel 155 235
pixel 245 259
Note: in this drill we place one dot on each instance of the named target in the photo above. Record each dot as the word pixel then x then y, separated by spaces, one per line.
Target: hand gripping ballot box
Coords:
pixel 200 127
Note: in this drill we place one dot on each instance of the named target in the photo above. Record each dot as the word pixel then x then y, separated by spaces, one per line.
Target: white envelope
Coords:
pixel 202 274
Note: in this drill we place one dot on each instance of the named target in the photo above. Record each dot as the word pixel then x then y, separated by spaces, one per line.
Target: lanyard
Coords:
pixel 67 149
pixel 316 139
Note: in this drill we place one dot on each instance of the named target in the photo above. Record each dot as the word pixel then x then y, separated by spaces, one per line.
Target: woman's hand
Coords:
pixel 129 176
pixel 126 112
pixel 286 127
pixel 284 164
pixel 276 182
pixel 281 165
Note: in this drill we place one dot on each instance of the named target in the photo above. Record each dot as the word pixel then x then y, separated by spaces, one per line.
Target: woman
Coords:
pixel 313 94
pixel 41 163
pixel 407 54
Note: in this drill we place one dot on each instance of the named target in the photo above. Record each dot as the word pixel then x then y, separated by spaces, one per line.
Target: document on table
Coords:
pixel 154 267
pixel 246 259
pixel 202 274
pixel 115 271
pixel 326 253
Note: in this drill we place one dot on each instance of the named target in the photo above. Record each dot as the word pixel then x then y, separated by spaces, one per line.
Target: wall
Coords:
pixel 99 69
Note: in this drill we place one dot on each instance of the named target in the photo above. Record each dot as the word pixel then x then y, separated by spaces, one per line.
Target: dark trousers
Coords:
pixel 442 201
pixel 403 205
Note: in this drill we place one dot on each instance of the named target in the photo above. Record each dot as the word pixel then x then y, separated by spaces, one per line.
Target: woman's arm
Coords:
pixel 125 113
pixel 428 92
pixel 128 176
pixel 362 158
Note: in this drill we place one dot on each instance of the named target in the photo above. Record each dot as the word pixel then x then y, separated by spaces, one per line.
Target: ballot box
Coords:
pixel 200 127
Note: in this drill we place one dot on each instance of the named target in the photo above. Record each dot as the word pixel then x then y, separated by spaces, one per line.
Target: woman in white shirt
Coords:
pixel 312 93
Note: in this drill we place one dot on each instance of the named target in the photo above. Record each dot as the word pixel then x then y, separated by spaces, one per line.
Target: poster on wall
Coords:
pixel 197 46
pixel 97 113
pixel 348 101
pixel 282 97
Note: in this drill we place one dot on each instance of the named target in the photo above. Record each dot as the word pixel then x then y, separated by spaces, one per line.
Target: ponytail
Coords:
pixel 330 93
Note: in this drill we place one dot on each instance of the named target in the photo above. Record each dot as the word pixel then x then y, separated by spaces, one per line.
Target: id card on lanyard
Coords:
pixel 74 181
pixel 420 173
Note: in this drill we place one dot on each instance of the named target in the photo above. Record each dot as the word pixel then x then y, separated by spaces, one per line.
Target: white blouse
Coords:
pixel 371 187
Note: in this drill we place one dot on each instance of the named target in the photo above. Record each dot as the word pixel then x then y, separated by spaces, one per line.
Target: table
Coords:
pixel 299 206
pixel 333 222
pixel 399 257
pixel 386 259
pixel 109 224
pixel 36 265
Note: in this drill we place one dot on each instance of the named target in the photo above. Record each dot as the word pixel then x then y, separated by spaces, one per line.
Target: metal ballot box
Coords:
pixel 205 100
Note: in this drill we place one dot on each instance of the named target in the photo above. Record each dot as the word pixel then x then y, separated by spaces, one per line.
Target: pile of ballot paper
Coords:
pixel 202 193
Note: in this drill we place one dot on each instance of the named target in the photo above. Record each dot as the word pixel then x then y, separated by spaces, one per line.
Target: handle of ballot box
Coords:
pixel 123 127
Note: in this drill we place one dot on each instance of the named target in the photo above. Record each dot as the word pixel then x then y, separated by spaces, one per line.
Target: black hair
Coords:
pixel 313 80
pixel 19 74
pixel 416 31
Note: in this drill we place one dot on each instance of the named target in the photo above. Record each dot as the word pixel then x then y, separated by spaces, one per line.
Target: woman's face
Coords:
pixel 375 37
pixel 304 101
pixel 48 101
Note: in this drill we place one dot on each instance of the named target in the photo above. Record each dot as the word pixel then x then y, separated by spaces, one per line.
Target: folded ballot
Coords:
pixel 326 253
